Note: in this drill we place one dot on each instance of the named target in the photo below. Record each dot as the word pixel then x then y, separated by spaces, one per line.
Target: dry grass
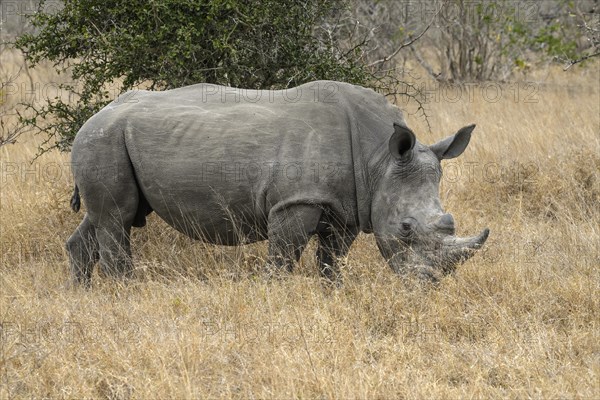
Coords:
pixel 521 319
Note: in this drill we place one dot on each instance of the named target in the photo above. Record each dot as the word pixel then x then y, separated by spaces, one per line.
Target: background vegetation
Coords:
pixel 113 46
pixel 520 319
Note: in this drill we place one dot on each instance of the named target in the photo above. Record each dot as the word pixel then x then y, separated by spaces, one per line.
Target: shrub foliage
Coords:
pixel 114 45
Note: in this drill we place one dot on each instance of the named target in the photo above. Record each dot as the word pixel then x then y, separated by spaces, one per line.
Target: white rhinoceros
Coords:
pixel 232 166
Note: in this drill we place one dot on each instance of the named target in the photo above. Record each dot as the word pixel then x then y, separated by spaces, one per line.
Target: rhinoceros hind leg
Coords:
pixel 115 252
pixel 83 252
pixel 289 229
pixel 113 215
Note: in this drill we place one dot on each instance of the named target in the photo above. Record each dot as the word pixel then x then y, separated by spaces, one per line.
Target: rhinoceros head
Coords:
pixel 411 229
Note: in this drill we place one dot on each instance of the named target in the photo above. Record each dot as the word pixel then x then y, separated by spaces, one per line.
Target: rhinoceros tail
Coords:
pixel 75 200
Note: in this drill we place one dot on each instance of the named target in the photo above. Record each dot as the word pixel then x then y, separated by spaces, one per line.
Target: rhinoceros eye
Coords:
pixel 406 226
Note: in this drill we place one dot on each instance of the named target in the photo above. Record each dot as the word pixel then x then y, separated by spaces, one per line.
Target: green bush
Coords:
pixel 171 43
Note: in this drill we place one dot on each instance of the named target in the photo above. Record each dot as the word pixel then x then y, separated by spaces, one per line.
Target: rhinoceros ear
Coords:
pixel 402 142
pixel 453 146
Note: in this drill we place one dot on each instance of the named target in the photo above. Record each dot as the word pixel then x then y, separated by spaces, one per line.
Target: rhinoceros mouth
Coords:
pixel 429 259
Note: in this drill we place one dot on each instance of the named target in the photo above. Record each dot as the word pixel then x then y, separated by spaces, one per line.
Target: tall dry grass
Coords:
pixel 520 319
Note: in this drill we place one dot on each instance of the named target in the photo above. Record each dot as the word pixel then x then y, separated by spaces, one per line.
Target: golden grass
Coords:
pixel 520 319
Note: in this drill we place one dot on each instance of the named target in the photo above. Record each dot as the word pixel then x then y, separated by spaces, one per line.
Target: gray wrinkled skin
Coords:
pixel 230 166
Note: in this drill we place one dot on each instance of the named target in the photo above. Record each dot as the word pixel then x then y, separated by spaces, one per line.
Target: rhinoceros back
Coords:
pixel 217 159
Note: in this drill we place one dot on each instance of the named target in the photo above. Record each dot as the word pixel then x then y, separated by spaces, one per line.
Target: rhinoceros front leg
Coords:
pixel 333 245
pixel 289 229
pixel 83 252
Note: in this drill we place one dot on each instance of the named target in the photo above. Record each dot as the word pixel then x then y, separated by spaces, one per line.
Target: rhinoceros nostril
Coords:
pixel 446 223
pixel 446 220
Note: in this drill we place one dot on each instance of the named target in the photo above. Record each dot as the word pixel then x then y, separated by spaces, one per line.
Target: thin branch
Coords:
pixel 592 34
pixel 9 134
pixel 410 42
pixel 361 44
pixel 573 62
pixel 424 63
